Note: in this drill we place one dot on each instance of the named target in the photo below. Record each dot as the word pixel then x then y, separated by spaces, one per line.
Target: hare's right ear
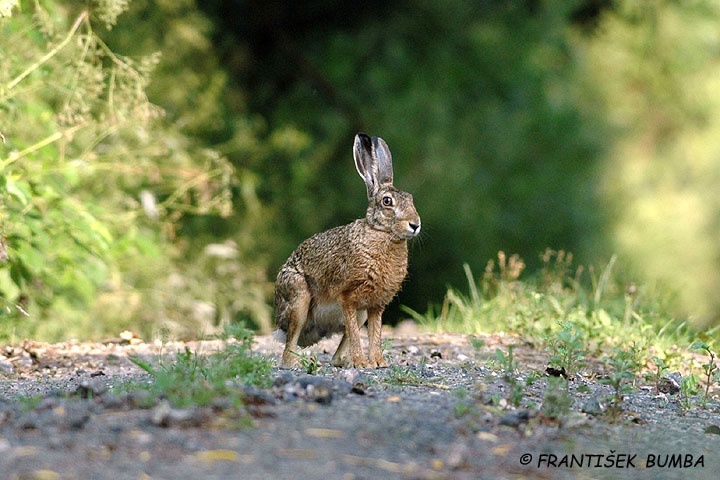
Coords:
pixel 373 162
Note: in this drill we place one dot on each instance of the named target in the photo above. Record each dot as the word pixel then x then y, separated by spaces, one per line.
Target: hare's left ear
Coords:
pixel 373 162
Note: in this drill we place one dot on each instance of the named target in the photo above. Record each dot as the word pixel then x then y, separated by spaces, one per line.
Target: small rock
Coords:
pixel 49 403
pixel 670 383
pixel 638 419
pixel 112 401
pixel 76 417
pixel 308 387
pixel 89 389
pixel 6 367
pixel 164 415
pixel 283 378
pixel 341 387
pixel 24 361
pixel 5 446
pixel 358 381
pixel 594 407
pixel 515 419
pixel 140 398
pixel 412 350
pixel 317 389
pixel 457 455
pixel 556 372
pixel 29 421
pixel 257 396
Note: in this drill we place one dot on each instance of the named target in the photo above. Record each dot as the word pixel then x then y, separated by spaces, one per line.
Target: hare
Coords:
pixel 337 280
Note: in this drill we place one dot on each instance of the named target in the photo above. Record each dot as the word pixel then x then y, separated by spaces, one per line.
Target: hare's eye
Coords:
pixel 387 201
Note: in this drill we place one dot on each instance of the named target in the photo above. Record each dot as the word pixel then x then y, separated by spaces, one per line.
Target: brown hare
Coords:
pixel 337 280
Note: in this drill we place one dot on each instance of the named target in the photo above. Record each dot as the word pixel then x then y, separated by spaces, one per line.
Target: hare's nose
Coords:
pixel 415 227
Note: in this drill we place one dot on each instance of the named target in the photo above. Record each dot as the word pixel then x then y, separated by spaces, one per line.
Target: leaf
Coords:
pixel 714 429
pixel 16 190
pixel 324 433
pixel 146 366
pixel 217 456
pixel 32 259
pixel 45 475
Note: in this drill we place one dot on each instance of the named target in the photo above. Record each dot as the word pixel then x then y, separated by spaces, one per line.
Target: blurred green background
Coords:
pixel 162 159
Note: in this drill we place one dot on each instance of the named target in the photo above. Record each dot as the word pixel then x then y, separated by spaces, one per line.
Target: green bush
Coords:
pixel 96 188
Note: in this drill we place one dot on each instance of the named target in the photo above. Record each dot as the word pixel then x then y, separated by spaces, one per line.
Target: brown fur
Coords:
pixel 336 280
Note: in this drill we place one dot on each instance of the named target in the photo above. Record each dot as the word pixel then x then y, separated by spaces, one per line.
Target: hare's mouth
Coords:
pixel 408 230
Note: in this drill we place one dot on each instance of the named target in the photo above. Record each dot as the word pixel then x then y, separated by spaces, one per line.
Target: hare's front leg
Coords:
pixel 375 338
pixel 352 335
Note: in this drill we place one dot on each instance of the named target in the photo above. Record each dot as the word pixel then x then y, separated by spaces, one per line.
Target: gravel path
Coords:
pixel 440 411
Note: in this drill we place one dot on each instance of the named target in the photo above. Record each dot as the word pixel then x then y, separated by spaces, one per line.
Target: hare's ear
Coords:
pixel 373 162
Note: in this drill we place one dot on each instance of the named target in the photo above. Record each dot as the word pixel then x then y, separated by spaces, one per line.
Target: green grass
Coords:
pixel 195 378
pixel 578 315
pixel 588 307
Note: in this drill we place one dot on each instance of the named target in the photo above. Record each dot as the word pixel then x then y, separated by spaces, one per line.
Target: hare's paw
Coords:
pixel 345 362
pixel 378 361
pixel 290 359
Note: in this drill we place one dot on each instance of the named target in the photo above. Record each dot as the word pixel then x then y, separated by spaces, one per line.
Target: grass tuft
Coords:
pixel 582 317
pixel 194 378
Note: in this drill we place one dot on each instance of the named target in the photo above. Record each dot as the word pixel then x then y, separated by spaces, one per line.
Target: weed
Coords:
pixel 557 400
pixel 567 348
pixel 508 366
pixel 575 313
pixel 509 270
pixel 689 387
pixel 193 378
pixel 661 370
pixel 464 406
pixel 404 376
pixel 386 345
pixel 477 343
pixel 605 312
pixel 29 403
pixel 412 376
pixel 710 369
pixel 622 366
pixel 309 363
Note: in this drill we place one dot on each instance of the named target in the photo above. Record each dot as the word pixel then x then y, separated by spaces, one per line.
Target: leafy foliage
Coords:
pixel 161 159
pixel 656 180
pixel 95 189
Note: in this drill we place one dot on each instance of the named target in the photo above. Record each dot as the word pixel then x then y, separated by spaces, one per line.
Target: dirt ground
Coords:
pixel 440 411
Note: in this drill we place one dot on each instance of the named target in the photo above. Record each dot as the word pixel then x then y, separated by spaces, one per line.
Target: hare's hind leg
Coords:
pixel 292 303
pixel 340 358
pixel 352 335
pixel 375 338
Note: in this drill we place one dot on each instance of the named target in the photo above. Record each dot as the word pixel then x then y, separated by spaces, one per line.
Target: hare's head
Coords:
pixel 390 210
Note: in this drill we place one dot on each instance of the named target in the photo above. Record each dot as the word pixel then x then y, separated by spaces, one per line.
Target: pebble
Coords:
pixel 594 407
pixel 6 366
pixel 358 382
pixel 91 388
pixel 319 389
pixel 307 387
pixel 670 383
pixel 458 455
pixel 164 415
pixel 515 418
pixel 257 396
